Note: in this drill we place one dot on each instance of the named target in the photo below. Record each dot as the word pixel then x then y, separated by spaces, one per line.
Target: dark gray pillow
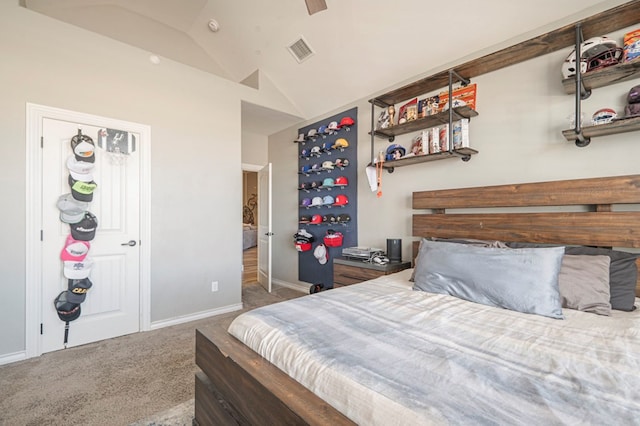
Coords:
pixel 623 273
pixel 523 280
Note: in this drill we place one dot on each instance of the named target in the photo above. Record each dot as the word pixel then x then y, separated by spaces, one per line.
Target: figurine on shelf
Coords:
pixel 392 115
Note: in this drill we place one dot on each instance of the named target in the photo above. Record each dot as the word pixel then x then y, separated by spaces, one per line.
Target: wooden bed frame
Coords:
pixel 237 386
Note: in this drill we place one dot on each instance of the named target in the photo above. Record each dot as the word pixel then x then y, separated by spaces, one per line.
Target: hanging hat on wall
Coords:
pixel 85 229
pixel 78 290
pixel 83 147
pixel 67 311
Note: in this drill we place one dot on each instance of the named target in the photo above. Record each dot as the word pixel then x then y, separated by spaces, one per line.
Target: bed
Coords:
pixel 249 236
pixel 438 358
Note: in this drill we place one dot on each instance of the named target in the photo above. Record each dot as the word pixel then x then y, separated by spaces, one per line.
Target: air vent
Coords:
pixel 300 50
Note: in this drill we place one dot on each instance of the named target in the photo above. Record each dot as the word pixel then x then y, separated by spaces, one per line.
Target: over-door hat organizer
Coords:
pixel 74 211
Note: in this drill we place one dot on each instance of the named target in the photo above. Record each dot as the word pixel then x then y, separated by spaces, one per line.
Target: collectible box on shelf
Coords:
pixel 433 137
pixel 461 134
pixel 428 106
pixel 466 94
pixel 410 107
pixel 631 45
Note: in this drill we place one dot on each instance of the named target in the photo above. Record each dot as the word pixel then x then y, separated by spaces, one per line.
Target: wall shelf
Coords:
pixel 463 153
pixel 605 76
pixel 615 127
pixel 423 123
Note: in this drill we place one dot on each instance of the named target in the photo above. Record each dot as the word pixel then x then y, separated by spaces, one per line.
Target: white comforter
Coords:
pixel 384 354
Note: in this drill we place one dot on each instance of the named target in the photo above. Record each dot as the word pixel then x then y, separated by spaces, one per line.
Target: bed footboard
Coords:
pixel 238 387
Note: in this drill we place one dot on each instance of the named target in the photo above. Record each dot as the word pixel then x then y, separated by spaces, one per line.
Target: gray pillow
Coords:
pixel 468 241
pixel 584 283
pixel 623 273
pixel 523 280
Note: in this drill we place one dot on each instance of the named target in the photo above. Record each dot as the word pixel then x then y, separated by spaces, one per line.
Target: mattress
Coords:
pixel 383 354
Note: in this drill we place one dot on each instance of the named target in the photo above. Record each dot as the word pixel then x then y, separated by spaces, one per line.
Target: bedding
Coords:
pixel 382 353
pixel 249 236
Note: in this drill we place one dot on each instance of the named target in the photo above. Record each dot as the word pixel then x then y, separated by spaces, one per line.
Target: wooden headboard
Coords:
pixel 595 223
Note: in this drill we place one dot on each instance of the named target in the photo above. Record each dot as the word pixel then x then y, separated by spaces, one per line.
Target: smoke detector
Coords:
pixel 213 25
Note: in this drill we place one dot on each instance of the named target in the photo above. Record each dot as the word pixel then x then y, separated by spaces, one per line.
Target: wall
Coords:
pixel 194 117
pixel 254 148
pixel 522 111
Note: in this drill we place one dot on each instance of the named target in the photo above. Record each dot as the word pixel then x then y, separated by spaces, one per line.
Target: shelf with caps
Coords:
pixel 327 201
pixel 332 128
pixel 324 167
pixel 329 219
pixel 328 184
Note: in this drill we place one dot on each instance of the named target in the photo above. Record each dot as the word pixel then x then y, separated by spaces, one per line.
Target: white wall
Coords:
pixel 254 148
pixel 522 111
pixel 195 121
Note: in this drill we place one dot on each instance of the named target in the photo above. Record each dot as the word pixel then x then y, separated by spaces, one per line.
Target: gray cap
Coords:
pixel 71 210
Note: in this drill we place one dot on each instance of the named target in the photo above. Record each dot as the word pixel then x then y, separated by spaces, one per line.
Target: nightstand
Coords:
pixel 348 271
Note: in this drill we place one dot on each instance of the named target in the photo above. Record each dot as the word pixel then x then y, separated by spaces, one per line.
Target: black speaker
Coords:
pixel 394 249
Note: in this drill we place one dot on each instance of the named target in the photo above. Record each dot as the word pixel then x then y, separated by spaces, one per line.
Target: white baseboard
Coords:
pixel 197 316
pixel 14 357
pixel 294 286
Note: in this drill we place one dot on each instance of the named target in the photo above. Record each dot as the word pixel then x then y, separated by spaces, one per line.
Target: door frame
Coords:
pixel 33 306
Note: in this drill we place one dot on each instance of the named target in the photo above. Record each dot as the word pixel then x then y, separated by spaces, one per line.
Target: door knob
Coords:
pixel 131 243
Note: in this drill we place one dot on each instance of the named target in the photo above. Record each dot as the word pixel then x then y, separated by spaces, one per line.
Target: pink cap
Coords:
pixel 74 250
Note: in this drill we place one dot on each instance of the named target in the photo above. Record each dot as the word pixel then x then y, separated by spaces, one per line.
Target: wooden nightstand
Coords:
pixel 347 271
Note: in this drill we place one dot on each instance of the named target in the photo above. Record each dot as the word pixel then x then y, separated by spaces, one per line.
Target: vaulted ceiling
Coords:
pixel 361 47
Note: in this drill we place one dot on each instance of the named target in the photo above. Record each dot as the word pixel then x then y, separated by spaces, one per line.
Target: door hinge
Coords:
pixel 41 329
pixel 41 141
pixel 41 235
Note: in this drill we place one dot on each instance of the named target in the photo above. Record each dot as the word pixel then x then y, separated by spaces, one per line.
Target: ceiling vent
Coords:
pixel 300 50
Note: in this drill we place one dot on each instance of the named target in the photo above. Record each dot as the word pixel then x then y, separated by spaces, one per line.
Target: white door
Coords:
pixel 264 227
pixel 112 305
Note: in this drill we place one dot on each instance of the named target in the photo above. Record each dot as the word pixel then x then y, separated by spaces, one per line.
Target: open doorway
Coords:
pixel 249 227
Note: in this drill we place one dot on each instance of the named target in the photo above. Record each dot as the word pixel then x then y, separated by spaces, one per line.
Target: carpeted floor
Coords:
pixel 141 379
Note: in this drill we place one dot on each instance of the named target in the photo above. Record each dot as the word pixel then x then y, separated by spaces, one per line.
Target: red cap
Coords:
pixel 346 121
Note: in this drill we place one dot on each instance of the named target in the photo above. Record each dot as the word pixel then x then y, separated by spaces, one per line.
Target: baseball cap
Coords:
pixel 67 311
pixel 82 191
pixel 77 269
pixel 305 153
pixel 71 210
pixel 333 126
pixel 341 162
pixel 305 169
pixel 316 219
pixel 341 181
pixel 327 183
pixel 340 143
pixel 327 200
pixel 304 185
pixel 85 229
pixel 341 200
pixel 315 167
pixel 315 150
pixel 83 148
pixel 316 201
pixel 343 218
pixel 329 218
pixel 77 166
pixel 346 122
pixel 74 249
pixel 78 290
pixel 322 130
pixel 316 184
pixel 312 133
pixel 327 146
pixel 321 254
pixel 300 138
pixel 306 202
pixel 305 219
pixel 327 165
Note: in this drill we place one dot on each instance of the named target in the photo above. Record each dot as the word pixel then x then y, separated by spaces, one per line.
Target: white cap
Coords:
pixel 321 254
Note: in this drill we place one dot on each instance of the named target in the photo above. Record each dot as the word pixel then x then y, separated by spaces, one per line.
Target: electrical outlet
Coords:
pixel 214 285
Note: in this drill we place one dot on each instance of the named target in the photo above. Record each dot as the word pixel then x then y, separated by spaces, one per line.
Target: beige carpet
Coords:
pixel 143 378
